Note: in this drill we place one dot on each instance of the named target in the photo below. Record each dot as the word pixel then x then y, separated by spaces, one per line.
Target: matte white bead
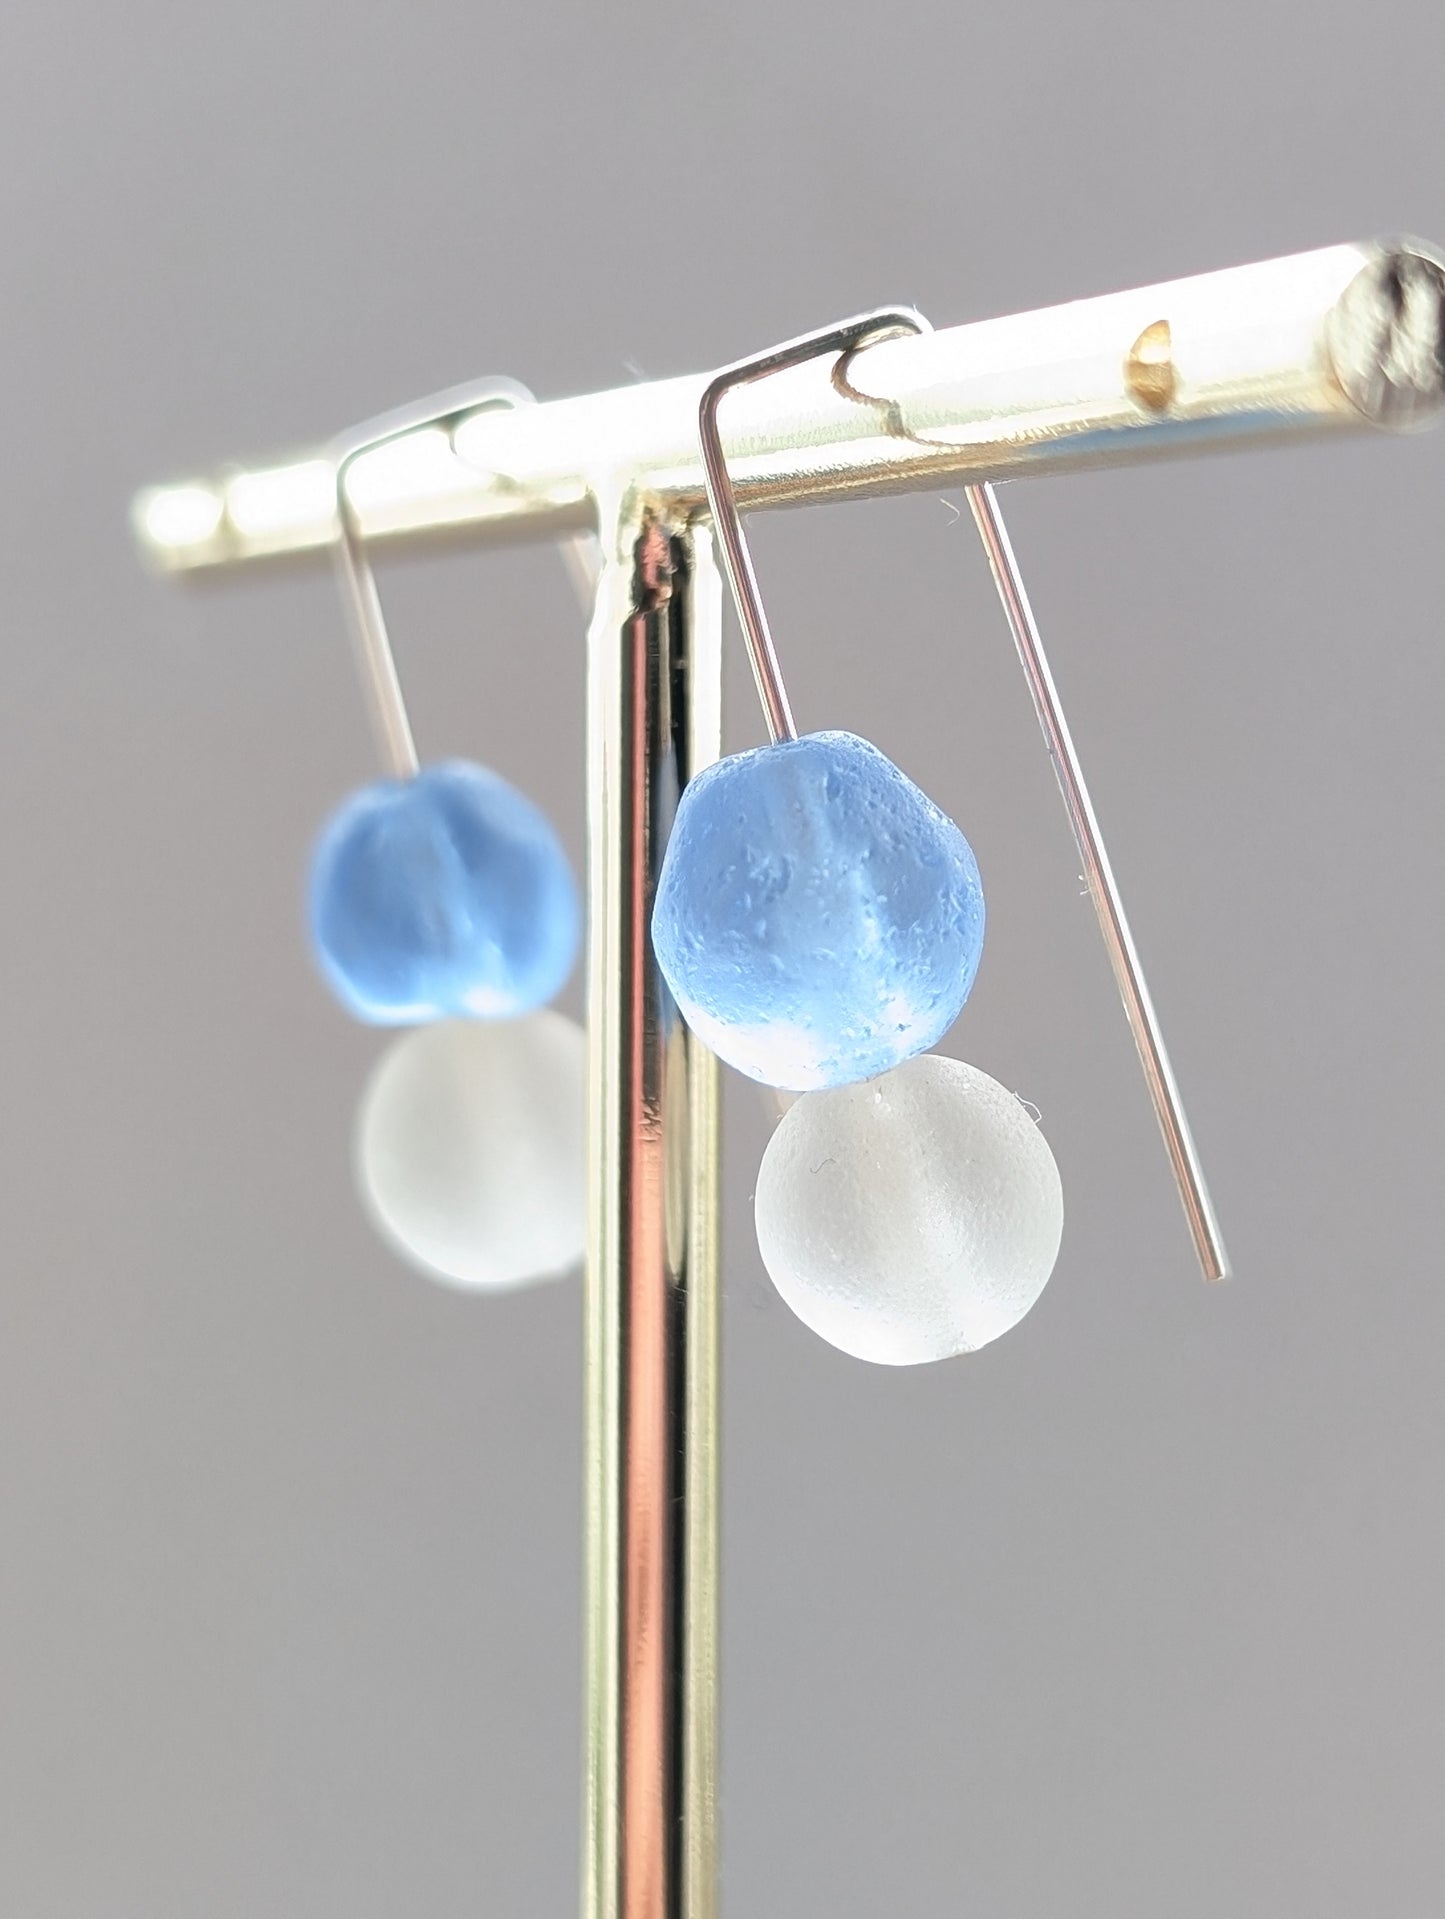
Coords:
pixel 912 1216
pixel 470 1149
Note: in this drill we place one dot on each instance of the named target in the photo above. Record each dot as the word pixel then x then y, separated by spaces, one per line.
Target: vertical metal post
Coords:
pixel 651 1337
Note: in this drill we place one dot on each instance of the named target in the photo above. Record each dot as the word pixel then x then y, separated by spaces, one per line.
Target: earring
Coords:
pixel 819 922
pixel 441 897
pixel 441 891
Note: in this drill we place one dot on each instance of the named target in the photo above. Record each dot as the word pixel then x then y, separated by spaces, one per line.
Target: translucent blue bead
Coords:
pixel 818 919
pixel 441 896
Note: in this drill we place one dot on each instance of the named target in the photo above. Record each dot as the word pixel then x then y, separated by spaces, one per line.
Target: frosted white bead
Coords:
pixel 912 1216
pixel 470 1149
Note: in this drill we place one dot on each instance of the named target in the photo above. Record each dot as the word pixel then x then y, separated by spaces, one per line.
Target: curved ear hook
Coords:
pixel 375 659
pixel 845 339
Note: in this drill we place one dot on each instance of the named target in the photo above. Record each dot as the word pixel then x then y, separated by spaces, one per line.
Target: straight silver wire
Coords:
pixel 385 701
pixel 1103 889
pixel 844 337
pixel 376 662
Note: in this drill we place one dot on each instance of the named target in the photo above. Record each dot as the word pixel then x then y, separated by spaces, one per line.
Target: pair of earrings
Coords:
pixel 819 922
pixel 441 899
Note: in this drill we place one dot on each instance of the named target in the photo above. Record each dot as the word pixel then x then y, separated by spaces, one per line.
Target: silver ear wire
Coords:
pixel 375 659
pixel 847 338
pixel 1103 888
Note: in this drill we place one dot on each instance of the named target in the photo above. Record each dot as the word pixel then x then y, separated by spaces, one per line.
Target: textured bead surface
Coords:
pixel 470 1149
pixel 444 894
pixel 818 918
pixel 913 1217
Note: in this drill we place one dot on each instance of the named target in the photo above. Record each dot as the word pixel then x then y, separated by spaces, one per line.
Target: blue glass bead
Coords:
pixel 442 896
pixel 818 919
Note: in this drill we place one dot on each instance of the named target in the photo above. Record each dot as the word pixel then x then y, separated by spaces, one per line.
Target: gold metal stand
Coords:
pixel 655 719
pixel 1348 338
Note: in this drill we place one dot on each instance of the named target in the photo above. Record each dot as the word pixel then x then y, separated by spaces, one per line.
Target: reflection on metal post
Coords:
pixel 651 1345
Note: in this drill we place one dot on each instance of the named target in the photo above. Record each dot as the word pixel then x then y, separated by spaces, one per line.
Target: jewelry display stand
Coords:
pixel 1345 339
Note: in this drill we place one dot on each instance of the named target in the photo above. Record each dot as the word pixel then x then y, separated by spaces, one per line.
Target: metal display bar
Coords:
pixel 1344 339
pixel 1337 340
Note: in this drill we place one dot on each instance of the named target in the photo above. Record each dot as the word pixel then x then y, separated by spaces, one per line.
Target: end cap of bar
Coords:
pixel 1387 337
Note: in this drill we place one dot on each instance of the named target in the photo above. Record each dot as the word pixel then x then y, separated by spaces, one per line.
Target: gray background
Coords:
pixel 1137 1613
